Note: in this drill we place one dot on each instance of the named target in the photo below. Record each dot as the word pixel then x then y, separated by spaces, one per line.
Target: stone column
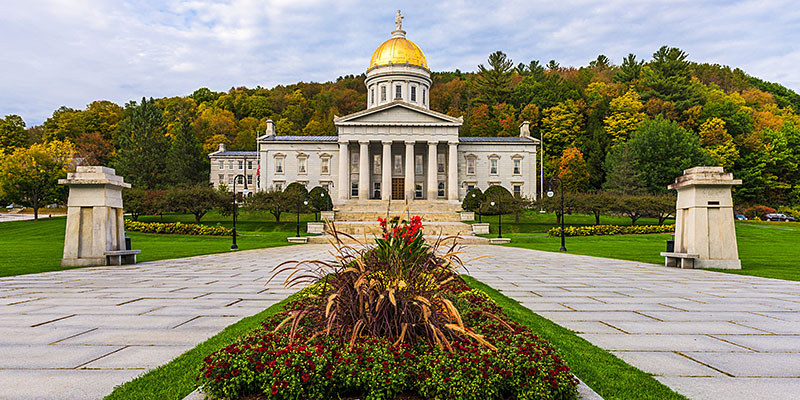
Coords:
pixel 433 171
pixel 344 172
pixel 409 181
pixel 452 171
pixel 363 170
pixel 386 171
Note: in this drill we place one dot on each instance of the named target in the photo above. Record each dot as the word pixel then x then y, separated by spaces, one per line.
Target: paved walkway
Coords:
pixel 707 335
pixel 76 334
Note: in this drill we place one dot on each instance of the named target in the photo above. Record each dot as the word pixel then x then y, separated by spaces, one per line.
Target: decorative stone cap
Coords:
pixel 706 176
pixel 94 175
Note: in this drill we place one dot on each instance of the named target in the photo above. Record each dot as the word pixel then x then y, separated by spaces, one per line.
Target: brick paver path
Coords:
pixel 78 333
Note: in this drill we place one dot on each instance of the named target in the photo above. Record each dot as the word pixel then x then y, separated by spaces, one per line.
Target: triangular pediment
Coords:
pixel 398 112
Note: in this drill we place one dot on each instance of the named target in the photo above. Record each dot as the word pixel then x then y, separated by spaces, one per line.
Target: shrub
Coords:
pixel 757 211
pixel 598 230
pixel 472 200
pixel 176 228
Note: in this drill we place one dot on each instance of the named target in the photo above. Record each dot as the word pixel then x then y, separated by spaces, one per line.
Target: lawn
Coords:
pixel 767 249
pixel 533 221
pixel 28 247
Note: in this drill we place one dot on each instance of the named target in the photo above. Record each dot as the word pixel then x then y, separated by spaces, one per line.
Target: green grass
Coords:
pixel 28 247
pixel 178 378
pixel 245 222
pixel 609 376
pixel 767 249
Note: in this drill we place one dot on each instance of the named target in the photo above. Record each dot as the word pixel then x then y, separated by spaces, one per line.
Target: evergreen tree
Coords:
pixel 186 161
pixel 494 83
pixel 629 70
pixel 142 145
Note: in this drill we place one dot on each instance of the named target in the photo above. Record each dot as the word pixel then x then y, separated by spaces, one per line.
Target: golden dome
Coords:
pixel 398 50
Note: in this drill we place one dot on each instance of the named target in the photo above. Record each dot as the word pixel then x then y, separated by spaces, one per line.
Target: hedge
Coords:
pixel 597 230
pixel 176 228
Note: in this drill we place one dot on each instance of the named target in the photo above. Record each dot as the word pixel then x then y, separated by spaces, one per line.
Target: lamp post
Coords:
pixel 305 202
pixel 499 219
pixel 550 194
pixel 235 207
pixel 478 207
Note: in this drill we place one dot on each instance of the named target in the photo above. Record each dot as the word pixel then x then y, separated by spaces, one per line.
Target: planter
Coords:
pixel 499 240
pixel 480 229
pixel 326 215
pixel 467 216
pixel 315 227
pixel 297 239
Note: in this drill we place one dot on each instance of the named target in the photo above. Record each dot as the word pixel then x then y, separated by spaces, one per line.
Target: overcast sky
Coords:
pixel 71 52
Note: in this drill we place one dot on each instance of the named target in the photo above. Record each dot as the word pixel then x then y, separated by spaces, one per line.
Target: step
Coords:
pixel 380 205
pixel 465 239
pixel 359 228
pixel 370 215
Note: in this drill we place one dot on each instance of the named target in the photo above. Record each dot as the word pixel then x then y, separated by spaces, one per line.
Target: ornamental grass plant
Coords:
pixel 385 319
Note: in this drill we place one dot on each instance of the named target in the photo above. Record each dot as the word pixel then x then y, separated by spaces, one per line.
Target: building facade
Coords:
pixel 398 148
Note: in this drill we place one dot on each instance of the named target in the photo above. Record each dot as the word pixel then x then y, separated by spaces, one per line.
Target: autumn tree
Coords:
pixel 624 117
pixel 561 125
pixel 93 149
pixel 12 133
pixel 197 199
pixel 573 170
pixel 718 143
pixel 481 123
pixel 30 175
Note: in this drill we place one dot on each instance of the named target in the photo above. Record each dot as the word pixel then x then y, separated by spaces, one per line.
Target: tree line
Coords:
pixel 631 127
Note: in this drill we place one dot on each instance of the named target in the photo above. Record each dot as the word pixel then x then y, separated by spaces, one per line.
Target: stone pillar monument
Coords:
pixel 705 236
pixel 95 232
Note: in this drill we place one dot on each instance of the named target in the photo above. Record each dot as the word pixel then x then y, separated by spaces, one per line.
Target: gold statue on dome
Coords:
pixel 398 20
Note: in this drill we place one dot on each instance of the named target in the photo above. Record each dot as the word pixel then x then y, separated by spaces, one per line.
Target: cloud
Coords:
pixel 61 52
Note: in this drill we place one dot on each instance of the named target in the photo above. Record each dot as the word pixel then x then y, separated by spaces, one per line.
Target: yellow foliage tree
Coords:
pixel 29 176
pixel 561 124
pixel 718 143
pixel 573 170
pixel 625 115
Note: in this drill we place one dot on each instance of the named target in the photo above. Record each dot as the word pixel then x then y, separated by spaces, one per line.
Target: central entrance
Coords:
pixel 398 188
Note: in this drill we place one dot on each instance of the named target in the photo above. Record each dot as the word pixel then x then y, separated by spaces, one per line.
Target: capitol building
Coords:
pixel 396 149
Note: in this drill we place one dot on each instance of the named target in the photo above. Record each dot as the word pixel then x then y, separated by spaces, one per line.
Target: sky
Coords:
pixel 71 52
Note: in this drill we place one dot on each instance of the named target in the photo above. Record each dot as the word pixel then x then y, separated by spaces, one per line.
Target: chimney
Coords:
pixel 222 147
pixel 270 128
pixel 525 129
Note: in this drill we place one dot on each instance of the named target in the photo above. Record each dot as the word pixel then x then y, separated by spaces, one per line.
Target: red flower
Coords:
pixel 305 377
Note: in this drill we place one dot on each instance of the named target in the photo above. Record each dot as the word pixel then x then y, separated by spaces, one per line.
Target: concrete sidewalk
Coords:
pixel 705 334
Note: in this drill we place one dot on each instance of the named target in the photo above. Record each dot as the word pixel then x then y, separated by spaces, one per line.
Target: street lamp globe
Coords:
pixel 550 193
pixel 245 191
pixel 305 202
pixel 491 203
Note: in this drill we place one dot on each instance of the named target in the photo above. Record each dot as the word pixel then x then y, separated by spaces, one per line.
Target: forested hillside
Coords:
pixel 629 127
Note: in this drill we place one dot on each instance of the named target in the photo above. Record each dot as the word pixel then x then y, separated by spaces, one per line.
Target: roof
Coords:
pixel 444 118
pixel 499 139
pixel 234 154
pixel 298 138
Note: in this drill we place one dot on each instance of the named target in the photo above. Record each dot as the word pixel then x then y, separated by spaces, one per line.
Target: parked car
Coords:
pixel 778 217
pixel 741 217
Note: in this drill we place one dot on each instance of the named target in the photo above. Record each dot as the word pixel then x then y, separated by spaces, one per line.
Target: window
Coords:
pixel 354 163
pixel 230 179
pixel 221 179
pixel 418 190
pixel 376 190
pixel 398 164
pixel 383 93
pixel 354 189
pixel 326 186
pixel 440 191
pixel 240 164
pixel 250 164
pixel 325 167
pixel 493 166
pixel 470 187
pixel 517 190
pixel 279 165
pixel 398 92
pixel 440 162
pixel 418 164
pixel 230 164
pixel 301 165
pixel 249 179
pixel 372 95
pixel 517 166
pixel 278 186
pixel 376 164
pixel 471 166
pixel 413 93
pixel 221 164
pixel 424 93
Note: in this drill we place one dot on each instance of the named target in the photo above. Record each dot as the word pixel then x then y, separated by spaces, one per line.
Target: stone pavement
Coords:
pixel 76 334
pixel 705 334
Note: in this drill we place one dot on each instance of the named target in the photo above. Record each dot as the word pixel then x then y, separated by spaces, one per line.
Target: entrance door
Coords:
pixel 398 188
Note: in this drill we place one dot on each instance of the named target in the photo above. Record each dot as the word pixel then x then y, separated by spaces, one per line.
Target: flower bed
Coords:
pixel 176 228
pixel 387 320
pixel 597 230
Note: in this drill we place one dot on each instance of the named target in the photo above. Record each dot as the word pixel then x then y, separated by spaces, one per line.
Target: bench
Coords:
pixel 121 257
pixel 686 259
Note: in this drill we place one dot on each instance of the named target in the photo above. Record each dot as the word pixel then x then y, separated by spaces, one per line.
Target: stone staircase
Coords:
pixel 359 218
